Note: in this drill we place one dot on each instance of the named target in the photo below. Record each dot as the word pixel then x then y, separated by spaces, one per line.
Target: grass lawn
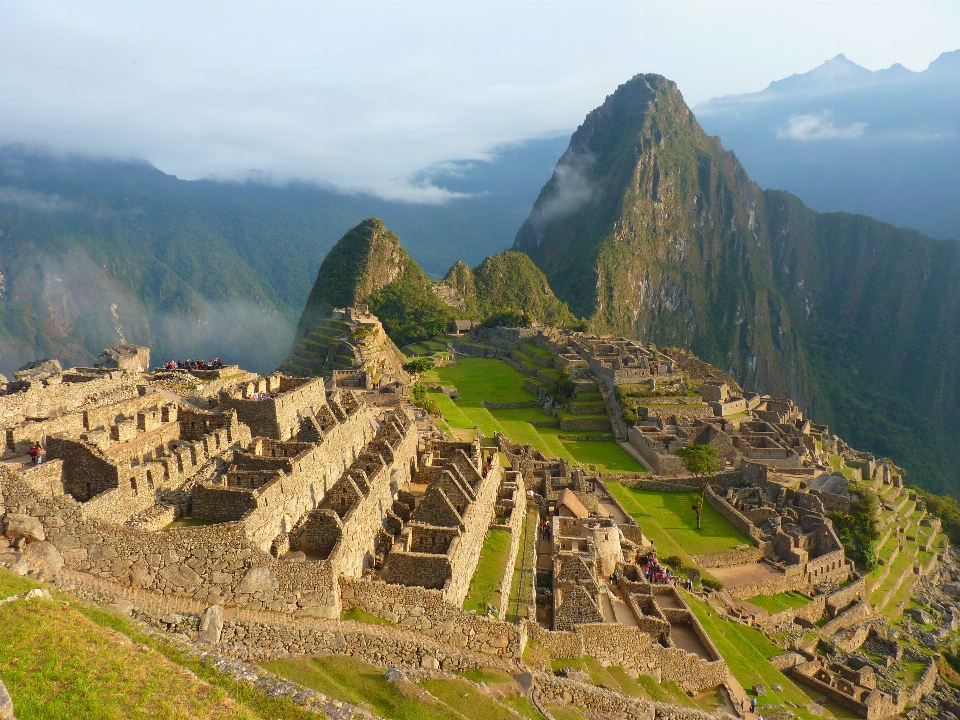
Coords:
pixel 747 652
pixel 668 518
pixel 354 681
pixel 358 614
pixel 479 379
pixel 58 664
pixel 467 699
pixel 485 584
pixel 779 602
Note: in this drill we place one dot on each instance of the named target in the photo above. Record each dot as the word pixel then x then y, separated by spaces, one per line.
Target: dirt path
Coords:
pixel 748 574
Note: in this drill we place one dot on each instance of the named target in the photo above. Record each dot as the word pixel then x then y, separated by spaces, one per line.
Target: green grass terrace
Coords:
pixel 480 379
pixel 669 520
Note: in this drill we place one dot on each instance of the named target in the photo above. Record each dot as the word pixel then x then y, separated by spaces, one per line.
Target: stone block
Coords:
pixel 258 580
pixel 6 703
pixel 43 558
pixel 180 575
pixel 211 625
pixel 23 526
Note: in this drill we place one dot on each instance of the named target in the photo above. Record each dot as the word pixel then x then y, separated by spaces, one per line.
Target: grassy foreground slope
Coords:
pixel 66 661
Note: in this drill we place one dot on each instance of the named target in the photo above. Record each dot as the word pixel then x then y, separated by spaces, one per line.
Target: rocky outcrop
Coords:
pixel 130 358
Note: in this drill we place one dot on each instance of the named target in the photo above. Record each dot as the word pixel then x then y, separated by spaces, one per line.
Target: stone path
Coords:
pixel 634 453
pixel 544 554
pixel 739 697
pixel 615 512
pixel 622 612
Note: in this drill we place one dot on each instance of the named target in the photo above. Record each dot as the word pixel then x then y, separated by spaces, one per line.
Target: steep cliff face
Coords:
pixel 368 257
pixel 650 229
pixel 508 281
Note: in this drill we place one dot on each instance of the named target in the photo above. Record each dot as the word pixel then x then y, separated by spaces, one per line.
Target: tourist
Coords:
pixel 36 453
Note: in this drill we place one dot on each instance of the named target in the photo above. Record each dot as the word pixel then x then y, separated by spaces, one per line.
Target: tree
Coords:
pixel 701 461
pixel 419 365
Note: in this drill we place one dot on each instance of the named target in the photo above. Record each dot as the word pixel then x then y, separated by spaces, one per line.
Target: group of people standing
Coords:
pixel 188 364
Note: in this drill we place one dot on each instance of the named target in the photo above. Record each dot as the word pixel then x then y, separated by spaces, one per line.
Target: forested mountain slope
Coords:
pixel 650 228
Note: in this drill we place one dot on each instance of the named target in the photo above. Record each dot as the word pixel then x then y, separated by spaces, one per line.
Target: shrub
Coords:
pixel 859 529
pixel 509 318
pixel 420 398
pixel 711 583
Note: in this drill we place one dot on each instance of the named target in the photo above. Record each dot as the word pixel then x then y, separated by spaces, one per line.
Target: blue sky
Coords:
pixel 362 94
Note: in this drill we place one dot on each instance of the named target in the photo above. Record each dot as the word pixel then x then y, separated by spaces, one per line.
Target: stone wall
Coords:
pixel 734 516
pixel 518 514
pixel 561 691
pixel 280 417
pixel 811 612
pixel 217 563
pixel 729 559
pixel 635 651
pixel 843 598
pixel 426 611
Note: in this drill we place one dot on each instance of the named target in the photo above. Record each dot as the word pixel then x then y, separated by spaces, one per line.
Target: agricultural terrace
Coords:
pixel 481 379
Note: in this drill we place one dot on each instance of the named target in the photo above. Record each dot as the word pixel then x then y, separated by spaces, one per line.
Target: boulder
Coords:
pixel 6 703
pixel 759 690
pixel 129 358
pixel 43 558
pixel 23 526
pixel 211 625
pixel 258 580
pixel 395 675
pixel 39 370
pixel 180 575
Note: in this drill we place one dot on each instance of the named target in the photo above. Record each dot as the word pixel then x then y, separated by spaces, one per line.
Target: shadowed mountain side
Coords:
pixel 97 252
pixel 650 229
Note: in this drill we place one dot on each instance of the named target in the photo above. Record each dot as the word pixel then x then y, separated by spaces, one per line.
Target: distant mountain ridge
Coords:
pixel 842 137
pixel 649 228
pixel 97 252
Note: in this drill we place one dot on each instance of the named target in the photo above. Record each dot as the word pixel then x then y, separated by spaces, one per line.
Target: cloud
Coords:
pixel 572 188
pixel 819 127
pixel 32 200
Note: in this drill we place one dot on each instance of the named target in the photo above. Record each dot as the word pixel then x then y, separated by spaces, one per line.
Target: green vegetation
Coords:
pixel 467 699
pixel 859 529
pixel 479 379
pixel 524 569
pixel 485 583
pixel 508 289
pixel 350 680
pixel 508 318
pixel 419 365
pixel 781 601
pixel 420 398
pixel 669 520
pixel 408 307
pixel 747 652
pixel 358 614
pixel 354 681
pixel 701 461
pixel 76 662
